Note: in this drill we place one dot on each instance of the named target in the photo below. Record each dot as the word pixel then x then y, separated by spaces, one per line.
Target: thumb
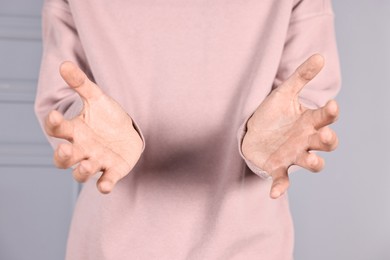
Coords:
pixel 78 80
pixel 303 74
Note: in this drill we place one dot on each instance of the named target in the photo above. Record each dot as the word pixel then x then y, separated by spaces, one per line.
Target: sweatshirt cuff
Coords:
pixel 138 129
pixel 240 137
pixel 75 109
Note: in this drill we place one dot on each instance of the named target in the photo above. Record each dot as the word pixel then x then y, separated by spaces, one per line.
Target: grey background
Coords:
pixel 344 212
pixel 36 201
pixel 341 213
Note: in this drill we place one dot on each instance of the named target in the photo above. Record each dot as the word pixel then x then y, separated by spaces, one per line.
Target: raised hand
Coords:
pixel 101 138
pixel 282 132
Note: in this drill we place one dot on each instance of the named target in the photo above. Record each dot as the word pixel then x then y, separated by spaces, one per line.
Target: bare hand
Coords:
pixel 282 132
pixel 101 138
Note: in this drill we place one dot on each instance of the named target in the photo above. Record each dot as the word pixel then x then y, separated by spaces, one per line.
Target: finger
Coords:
pixel 280 183
pixel 112 174
pixel 303 74
pixel 108 180
pixel 57 126
pixel 324 140
pixel 325 115
pixel 77 80
pixel 310 161
pixel 67 155
pixel 85 170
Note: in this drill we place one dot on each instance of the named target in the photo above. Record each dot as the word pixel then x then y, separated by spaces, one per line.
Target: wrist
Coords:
pixel 250 150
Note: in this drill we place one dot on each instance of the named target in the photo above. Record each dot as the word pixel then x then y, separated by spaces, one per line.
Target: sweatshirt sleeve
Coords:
pixel 311 30
pixel 61 42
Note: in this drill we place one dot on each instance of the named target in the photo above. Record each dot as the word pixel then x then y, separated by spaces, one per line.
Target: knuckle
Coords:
pixel 281 180
pixel 326 136
pixel 304 74
pixel 78 177
pixel 310 141
pixel 271 167
pixel 49 129
pixel 330 142
pixel 60 163
pixel 314 163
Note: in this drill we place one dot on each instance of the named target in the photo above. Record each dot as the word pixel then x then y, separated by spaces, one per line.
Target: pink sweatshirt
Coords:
pixel 190 73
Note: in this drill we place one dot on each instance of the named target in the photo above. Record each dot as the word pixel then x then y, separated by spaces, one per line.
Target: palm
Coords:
pixel 104 123
pixel 281 132
pixel 102 136
pixel 281 120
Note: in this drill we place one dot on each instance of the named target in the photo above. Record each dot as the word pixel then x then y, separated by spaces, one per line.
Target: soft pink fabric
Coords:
pixel 190 73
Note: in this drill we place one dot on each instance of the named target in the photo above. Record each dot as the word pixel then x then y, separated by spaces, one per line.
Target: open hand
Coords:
pixel 282 132
pixel 101 138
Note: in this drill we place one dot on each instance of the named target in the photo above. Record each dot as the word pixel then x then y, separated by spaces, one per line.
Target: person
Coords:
pixel 189 117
